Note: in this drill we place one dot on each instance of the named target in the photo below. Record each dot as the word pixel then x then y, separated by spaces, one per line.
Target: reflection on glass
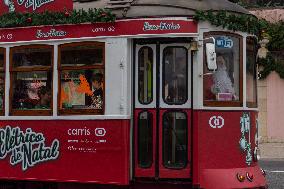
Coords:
pixel 31 90
pixel 82 55
pixel 251 73
pixel 145 75
pixel 175 140
pixel 223 84
pixel 32 57
pixel 175 75
pixel 145 140
pixel 82 89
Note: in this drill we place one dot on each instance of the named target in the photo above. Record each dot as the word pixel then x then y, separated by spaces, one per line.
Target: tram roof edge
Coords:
pixel 159 8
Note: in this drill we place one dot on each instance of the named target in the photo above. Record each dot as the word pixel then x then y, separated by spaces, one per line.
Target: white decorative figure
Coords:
pixel 221 79
pixel 245 144
pixel 249 155
pixel 10 5
pixel 262 51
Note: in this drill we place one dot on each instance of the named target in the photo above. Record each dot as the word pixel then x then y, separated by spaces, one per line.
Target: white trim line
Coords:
pixel 71 117
pixel 229 108
pixel 7 82
pixel 55 79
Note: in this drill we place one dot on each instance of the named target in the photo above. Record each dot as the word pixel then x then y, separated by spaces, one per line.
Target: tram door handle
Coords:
pixel 201 74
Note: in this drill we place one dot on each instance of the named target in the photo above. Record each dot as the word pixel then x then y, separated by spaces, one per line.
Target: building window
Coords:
pixel 223 87
pixel 2 79
pixel 175 75
pixel 175 143
pixel 251 73
pixel 81 71
pixel 145 75
pixel 31 80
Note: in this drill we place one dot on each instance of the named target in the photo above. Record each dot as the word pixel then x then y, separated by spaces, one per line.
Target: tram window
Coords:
pixel 251 73
pixel 145 140
pixel 223 87
pixel 31 76
pixel 145 75
pixel 81 78
pixel 175 75
pixel 175 147
pixel 2 80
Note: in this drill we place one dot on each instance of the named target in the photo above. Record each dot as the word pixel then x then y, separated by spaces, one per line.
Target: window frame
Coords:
pixel 61 68
pixel 13 70
pixel 164 76
pixel 252 104
pixel 3 70
pixel 216 103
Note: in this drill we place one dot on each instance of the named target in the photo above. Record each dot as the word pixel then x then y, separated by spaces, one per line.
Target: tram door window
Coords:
pixel 162 111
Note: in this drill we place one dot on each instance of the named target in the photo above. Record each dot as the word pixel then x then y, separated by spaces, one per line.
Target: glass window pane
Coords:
pixel 145 140
pixel 251 73
pixel 224 83
pixel 82 54
pixel 175 75
pixel 32 90
pixel 82 89
pixel 145 75
pixel 175 144
pixel 2 58
pixel 32 56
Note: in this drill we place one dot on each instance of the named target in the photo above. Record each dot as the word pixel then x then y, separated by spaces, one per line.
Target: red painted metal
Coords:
pixel 37 6
pixel 89 151
pixel 119 28
pixel 217 157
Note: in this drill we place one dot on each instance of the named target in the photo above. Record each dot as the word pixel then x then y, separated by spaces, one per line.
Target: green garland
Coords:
pixel 54 18
pixel 234 22
pixel 269 64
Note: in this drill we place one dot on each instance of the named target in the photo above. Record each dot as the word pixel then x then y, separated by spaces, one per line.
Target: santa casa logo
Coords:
pixel 34 4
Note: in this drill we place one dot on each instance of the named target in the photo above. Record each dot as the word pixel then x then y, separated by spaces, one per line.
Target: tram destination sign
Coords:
pixel 9 6
pixel 119 28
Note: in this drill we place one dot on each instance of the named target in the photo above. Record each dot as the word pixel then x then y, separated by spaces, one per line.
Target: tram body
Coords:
pixel 161 122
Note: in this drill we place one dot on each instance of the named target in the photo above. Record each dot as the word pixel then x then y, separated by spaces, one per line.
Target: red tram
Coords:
pixel 153 100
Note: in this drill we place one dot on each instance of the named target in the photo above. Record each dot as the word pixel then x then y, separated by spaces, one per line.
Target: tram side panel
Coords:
pixel 92 149
pixel 82 151
pixel 226 144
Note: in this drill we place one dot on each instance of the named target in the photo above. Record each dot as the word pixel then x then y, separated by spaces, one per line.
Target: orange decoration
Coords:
pixel 64 97
pixel 84 86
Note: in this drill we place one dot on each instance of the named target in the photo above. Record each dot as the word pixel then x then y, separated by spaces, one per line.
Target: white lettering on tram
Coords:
pixel 216 122
pixel 79 132
pixel 161 26
pixel 27 148
pixel 51 33
pixel 35 4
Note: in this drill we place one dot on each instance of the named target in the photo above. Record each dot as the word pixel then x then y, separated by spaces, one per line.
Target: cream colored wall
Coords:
pixel 275 108
pixel 271 108
pixel 262 105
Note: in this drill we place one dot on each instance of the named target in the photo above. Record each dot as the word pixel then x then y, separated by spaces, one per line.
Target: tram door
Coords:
pixel 162 111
